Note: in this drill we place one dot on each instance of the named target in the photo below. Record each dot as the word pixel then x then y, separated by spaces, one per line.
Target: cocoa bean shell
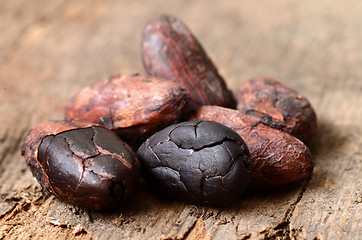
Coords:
pixel 266 96
pixel 202 162
pixel 133 106
pixel 171 51
pixel 83 163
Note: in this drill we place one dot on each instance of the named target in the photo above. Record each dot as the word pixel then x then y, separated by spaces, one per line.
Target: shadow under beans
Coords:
pixel 262 197
pixel 148 198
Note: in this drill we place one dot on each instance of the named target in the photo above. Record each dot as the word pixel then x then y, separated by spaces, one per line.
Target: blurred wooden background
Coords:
pixel 51 49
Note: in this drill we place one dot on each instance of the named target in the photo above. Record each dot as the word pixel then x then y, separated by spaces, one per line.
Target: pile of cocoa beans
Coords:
pixel 178 126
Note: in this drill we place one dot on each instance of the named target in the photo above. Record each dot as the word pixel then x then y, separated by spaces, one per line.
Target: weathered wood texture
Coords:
pixel 51 49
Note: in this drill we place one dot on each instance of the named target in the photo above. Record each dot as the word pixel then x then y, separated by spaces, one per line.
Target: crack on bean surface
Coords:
pixel 87 160
pixel 83 159
pixel 208 145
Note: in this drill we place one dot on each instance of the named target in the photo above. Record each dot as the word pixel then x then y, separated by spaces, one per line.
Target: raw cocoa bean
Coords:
pixel 83 163
pixel 197 161
pixel 169 50
pixel 277 158
pixel 267 96
pixel 133 106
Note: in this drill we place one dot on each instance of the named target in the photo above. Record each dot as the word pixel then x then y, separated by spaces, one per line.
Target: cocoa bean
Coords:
pixel 83 163
pixel 133 106
pixel 201 162
pixel 267 96
pixel 169 50
pixel 277 158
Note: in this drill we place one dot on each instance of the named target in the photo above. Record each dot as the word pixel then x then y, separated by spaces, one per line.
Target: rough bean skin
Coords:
pixel 202 162
pixel 134 106
pixel 277 158
pixel 169 50
pixel 83 163
pixel 266 96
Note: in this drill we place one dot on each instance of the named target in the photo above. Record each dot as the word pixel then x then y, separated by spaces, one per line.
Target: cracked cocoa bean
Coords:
pixel 267 96
pixel 201 162
pixel 133 106
pixel 169 50
pixel 83 163
pixel 277 158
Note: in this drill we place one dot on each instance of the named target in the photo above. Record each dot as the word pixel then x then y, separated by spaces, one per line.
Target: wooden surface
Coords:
pixel 51 49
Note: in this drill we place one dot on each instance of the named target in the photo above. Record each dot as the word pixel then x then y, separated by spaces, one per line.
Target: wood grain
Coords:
pixel 51 49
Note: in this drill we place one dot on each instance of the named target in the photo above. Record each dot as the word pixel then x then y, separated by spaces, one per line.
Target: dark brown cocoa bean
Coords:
pixel 169 50
pixel 133 106
pixel 83 163
pixel 269 97
pixel 201 162
pixel 277 158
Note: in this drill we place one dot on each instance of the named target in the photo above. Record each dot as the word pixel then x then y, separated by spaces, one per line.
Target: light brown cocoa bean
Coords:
pixel 266 96
pixel 134 106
